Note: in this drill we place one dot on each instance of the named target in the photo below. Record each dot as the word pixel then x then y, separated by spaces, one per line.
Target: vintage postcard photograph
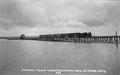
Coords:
pixel 59 37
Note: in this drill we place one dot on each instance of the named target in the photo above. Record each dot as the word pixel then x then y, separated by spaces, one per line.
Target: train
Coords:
pixel 65 35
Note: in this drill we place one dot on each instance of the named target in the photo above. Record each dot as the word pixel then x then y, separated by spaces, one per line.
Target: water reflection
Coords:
pixel 15 55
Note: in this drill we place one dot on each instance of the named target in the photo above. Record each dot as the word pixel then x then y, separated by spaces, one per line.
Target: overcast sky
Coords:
pixel 34 17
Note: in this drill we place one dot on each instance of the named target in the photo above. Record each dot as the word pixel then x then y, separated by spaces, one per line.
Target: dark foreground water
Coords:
pixel 17 55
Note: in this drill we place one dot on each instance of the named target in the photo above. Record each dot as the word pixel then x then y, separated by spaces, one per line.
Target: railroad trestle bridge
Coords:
pixel 93 39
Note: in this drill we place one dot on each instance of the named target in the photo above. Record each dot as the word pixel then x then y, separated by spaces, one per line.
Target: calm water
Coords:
pixel 16 55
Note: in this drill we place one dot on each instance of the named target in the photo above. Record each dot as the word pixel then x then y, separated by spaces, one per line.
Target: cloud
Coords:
pixel 56 12
pixel 11 16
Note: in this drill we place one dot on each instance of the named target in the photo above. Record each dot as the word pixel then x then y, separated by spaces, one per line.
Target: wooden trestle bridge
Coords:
pixel 93 39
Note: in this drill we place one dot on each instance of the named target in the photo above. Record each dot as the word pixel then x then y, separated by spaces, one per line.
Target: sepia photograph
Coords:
pixel 59 37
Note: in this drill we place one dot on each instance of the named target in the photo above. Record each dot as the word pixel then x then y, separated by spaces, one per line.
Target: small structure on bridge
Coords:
pixel 22 36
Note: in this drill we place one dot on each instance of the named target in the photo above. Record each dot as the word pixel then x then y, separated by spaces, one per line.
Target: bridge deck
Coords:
pixel 93 39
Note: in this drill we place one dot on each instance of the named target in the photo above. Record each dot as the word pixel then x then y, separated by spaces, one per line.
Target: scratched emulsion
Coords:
pixel 17 55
